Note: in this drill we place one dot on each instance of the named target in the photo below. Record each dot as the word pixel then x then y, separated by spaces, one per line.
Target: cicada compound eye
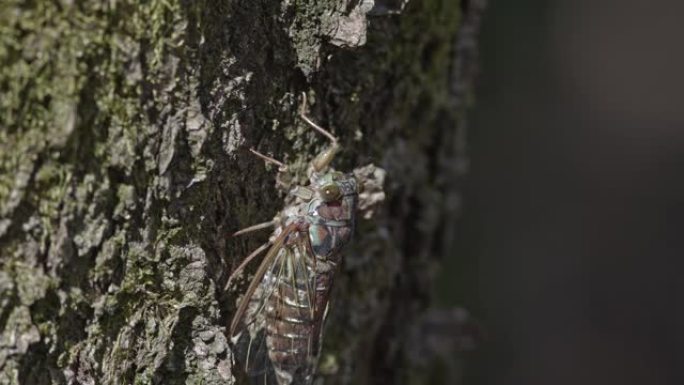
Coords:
pixel 330 192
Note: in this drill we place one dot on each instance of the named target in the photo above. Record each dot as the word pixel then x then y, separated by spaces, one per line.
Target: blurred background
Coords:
pixel 571 234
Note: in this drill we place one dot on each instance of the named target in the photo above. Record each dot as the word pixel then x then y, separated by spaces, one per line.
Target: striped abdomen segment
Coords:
pixel 294 317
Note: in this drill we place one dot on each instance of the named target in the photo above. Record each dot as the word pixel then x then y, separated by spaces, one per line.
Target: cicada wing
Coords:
pixel 247 329
pixel 250 344
pixel 267 264
pixel 294 340
pixel 278 338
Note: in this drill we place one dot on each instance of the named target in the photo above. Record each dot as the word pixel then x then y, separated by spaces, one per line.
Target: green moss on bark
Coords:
pixel 122 169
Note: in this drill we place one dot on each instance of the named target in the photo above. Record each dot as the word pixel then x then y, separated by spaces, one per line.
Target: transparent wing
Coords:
pixel 251 346
pixel 277 325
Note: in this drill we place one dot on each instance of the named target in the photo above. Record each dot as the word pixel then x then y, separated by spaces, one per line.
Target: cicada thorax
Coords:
pixel 332 222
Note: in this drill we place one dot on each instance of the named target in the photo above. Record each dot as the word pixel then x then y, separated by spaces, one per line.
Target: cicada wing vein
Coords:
pixel 250 344
pixel 278 315
pixel 293 324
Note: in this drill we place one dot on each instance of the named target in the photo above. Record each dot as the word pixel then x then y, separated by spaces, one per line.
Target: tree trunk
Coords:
pixel 124 126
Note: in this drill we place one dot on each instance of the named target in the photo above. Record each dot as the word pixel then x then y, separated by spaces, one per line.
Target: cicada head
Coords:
pixel 334 186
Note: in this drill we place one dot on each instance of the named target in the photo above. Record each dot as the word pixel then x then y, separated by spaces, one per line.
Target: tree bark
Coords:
pixel 124 126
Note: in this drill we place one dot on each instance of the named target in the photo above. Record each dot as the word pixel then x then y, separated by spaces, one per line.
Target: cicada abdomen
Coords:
pixel 277 339
pixel 277 329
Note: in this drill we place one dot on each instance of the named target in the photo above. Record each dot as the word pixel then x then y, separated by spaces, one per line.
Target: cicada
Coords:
pixel 277 328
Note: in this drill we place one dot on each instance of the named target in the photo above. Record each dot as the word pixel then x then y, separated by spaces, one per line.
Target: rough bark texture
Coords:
pixel 123 129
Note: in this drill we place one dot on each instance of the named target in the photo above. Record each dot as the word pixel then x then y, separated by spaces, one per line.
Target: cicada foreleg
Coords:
pixel 323 159
pixel 282 167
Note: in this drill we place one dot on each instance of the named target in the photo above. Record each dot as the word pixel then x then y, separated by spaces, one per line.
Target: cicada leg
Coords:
pixel 282 167
pixel 247 260
pixel 250 229
pixel 324 158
